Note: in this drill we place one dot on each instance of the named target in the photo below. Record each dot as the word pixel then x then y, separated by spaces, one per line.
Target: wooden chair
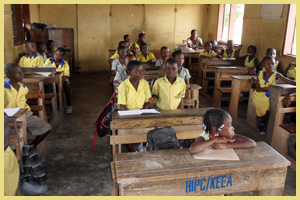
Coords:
pixel 282 132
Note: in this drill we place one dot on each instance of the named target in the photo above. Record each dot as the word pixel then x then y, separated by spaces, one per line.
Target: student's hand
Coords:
pixel 218 140
pixel 219 146
pixel 287 101
pixel 240 46
pixel 153 100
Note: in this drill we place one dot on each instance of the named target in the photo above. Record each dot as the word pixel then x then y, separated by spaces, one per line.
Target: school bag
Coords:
pixel 102 124
pixel 162 138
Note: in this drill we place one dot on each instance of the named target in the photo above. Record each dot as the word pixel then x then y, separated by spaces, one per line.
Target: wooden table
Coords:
pixel 276 90
pixel 224 74
pixel 175 172
pixel 239 84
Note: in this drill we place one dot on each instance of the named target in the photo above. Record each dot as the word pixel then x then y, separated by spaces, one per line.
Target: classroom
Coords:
pixel 219 79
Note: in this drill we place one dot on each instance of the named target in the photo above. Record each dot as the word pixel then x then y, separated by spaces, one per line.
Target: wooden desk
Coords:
pixel 175 172
pixel 192 66
pixel 224 74
pixel 276 90
pixel 148 66
pixel 239 84
pixel 192 92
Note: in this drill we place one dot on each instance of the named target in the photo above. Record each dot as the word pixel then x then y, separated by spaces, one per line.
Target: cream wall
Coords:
pixel 212 21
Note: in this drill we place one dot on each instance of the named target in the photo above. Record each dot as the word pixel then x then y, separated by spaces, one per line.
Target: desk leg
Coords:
pixel 217 93
pixel 23 129
pixel 234 100
pixel 270 192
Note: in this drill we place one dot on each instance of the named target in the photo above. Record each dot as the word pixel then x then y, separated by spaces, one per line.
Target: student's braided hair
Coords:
pixel 214 117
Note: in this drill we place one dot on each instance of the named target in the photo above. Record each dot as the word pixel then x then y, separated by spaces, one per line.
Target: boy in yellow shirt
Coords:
pixel 15 96
pixel 31 59
pixel 208 53
pixel 169 90
pixel 62 65
pixel 146 56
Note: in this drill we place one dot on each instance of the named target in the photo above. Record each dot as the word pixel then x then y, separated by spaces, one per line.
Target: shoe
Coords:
pixel 69 110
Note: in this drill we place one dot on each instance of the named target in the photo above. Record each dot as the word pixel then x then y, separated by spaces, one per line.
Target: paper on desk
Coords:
pixel 45 66
pixel 137 112
pixel 11 111
pixel 214 154
pixel 43 73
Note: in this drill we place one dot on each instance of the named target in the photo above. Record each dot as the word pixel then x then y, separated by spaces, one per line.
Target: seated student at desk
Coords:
pixel 122 74
pixel 146 56
pixel 261 94
pixel 124 44
pixel 230 52
pixel 50 47
pixel 118 63
pixel 15 96
pixel 132 48
pixel 31 59
pixel 136 47
pixel 250 60
pixel 208 52
pixel 219 133
pixel 182 71
pixel 62 65
pixel 277 66
pixel 161 63
pixel 11 166
pixel 41 50
pixel 194 41
pixel 290 73
pixel 170 89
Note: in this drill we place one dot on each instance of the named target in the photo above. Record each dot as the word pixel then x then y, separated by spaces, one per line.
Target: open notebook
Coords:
pixel 214 154
pixel 137 112
pixel 11 111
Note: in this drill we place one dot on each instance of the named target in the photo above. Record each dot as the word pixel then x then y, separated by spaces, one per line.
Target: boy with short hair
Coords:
pixel 170 89
pixel 122 74
pixel 31 59
pixel 62 65
pixel 15 96
pixel 124 44
pixel 208 53
pixel 41 49
pixel 161 63
pixel 118 63
pixel 146 56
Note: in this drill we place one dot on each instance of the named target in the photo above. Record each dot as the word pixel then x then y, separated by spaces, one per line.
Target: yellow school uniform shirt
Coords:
pixel 232 55
pixel 14 98
pixel 169 95
pixel 292 73
pixel 132 98
pixel 211 53
pixel 142 58
pixel 249 63
pixel 116 55
pixel 136 46
pixel 34 61
pixel 63 66
pixel 261 99
pixel 275 66
pixel 11 172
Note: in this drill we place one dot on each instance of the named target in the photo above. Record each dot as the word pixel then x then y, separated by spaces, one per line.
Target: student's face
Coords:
pixel 251 51
pixel 208 47
pixel 127 39
pixel 165 53
pixel 57 56
pixel 180 60
pixel 42 49
pixel 51 45
pixel 144 49
pixel 229 44
pixel 122 53
pixel 16 75
pixel 171 70
pixel 269 64
pixel 128 59
pixel 137 73
pixel 143 38
pixel 31 47
pixel 228 129
pixel 272 53
pixel 195 34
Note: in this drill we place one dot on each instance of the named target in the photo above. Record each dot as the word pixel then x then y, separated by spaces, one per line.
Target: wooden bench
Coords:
pixel 175 172
pixel 282 132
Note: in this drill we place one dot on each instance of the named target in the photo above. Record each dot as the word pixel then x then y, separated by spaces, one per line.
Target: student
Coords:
pixel 50 47
pixel 170 89
pixel 122 74
pixel 208 53
pixel 62 65
pixel 261 94
pixel 118 63
pixel 161 63
pixel 182 71
pixel 41 49
pixel 136 46
pixel 230 52
pixel 290 73
pixel 124 44
pixel 134 93
pixel 15 96
pixel 11 166
pixel 250 60
pixel 194 41
pixel 277 66
pixel 31 59
pixel 219 133
pixel 132 48
pixel 146 56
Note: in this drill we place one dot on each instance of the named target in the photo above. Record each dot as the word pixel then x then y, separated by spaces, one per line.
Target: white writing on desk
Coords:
pixel 209 183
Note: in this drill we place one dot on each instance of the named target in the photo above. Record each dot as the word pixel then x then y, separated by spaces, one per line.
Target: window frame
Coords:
pixel 289 32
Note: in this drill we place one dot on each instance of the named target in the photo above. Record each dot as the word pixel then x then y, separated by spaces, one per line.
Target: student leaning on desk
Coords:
pixel 31 59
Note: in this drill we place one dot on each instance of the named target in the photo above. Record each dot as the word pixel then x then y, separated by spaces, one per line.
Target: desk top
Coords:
pixel 245 77
pixel 32 80
pixel 18 114
pixel 38 69
pixel 165 113
pixel 284 86
pixel 206 61
pixel 175 163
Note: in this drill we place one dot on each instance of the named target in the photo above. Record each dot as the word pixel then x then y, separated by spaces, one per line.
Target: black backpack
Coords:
pixel 102 124
pixel 162 138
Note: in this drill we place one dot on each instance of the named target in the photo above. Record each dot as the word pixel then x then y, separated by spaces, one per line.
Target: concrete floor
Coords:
pixel 74 169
